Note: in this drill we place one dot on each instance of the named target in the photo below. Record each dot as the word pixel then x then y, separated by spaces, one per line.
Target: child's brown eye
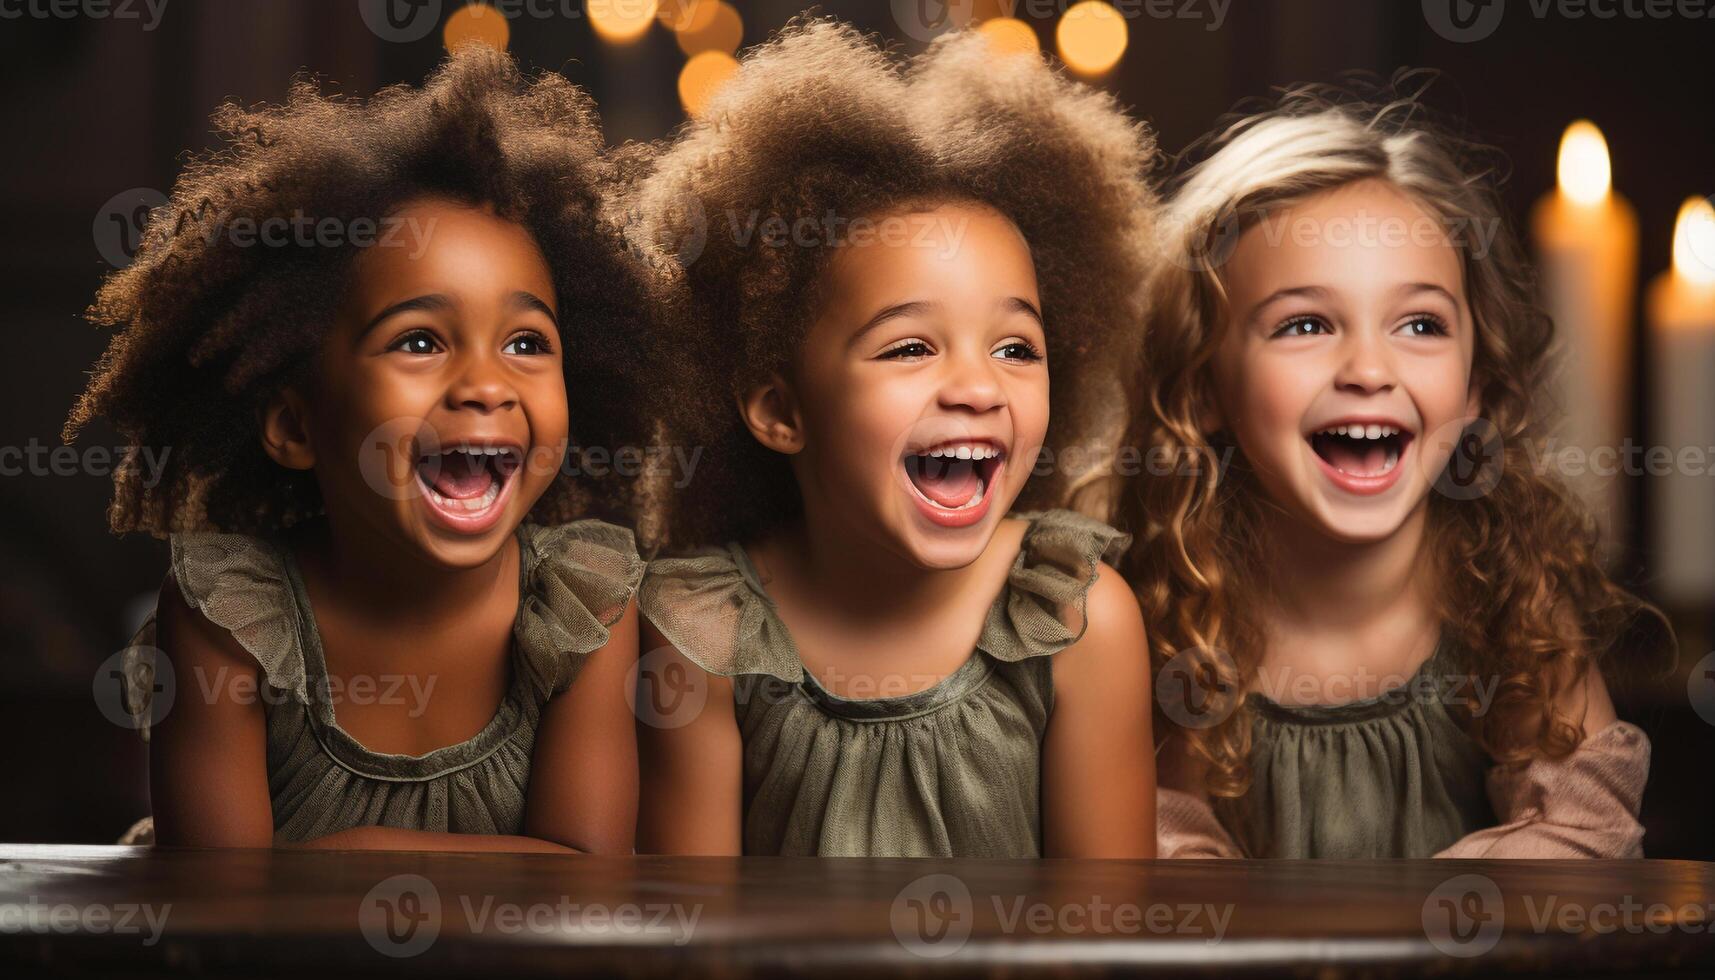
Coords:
pixel 1019 350
pixel 1424 326
pixel 1301 326
pixel 915 348
pixel 527 345
pixel 416 342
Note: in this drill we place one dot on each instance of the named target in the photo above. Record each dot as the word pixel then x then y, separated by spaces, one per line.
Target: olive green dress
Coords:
pixel 574 582
pixel 1393 776
pixel 953 770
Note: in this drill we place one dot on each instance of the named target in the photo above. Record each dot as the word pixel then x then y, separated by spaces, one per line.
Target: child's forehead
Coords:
pixel 1364 238
pixel 445 247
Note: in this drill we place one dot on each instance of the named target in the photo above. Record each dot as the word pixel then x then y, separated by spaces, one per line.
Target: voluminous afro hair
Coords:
pixel 820 121
pixel 212 325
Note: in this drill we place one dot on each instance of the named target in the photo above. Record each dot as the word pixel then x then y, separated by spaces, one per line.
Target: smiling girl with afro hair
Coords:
pixel 366 333
pixel 901 287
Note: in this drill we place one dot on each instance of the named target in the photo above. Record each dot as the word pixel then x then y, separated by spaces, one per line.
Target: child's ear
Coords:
pixel 771 413
pixel 285 437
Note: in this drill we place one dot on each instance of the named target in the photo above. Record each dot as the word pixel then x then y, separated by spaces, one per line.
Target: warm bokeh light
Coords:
pixel 1010 35
pixel 722 30
pixel 1091 37
pixel 702 75
pixel 1694 242
pixel 477 22
pixel 621 21
pixel 1584 171
pixel 687 15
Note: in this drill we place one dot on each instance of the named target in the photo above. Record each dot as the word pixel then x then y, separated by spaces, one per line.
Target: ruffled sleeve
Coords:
pixel 1042 609
pixel 578 579
pixel 708 606
pixel 240 584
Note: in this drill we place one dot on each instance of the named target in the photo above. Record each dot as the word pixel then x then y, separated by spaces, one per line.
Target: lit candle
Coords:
pixel 1681 309
pixel 1587 246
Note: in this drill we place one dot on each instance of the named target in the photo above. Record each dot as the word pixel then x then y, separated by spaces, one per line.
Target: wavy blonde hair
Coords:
pixel 1518 563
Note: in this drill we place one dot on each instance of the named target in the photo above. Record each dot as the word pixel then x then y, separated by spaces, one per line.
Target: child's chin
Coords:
pixel 1361 525
pixel 454 549
pixel 933 547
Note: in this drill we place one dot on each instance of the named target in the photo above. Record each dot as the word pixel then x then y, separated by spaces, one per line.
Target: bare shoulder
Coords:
pixel 1115 641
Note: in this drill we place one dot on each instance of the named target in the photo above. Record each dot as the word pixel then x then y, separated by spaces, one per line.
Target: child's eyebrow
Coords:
pixel 918 307
pixel 1018 304
pixel 431 302
pixel 1012 304
pixel 525 300
pixel 1311 292
pixel 1406 289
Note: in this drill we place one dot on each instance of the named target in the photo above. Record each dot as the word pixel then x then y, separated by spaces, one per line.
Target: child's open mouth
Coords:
pixel 952 480
pixel 466 487
pixel 1362 457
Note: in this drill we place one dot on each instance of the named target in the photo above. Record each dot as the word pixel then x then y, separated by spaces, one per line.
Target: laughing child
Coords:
pixel 898 288
pixel 1378 628
pixel 366 492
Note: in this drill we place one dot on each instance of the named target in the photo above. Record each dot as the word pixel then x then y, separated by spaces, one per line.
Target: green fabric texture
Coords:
pixel 1393 776
pixel 574 582
pixel 950 771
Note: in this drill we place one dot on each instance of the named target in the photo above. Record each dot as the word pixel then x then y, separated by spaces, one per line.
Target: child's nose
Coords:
pixel 971 384
pixel 482 385
pixel 1365 366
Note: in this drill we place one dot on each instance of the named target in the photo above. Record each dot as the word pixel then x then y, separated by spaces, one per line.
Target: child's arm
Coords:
pixel 208 761
pixel 1098 759
pixel 692 798
pixel 1580 806
pixel 583 776
pixel 1186 826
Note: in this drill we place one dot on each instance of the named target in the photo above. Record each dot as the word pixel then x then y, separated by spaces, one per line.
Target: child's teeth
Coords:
pixel 961 452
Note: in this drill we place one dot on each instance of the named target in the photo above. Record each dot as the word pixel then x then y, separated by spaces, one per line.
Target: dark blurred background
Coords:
pixel 104 97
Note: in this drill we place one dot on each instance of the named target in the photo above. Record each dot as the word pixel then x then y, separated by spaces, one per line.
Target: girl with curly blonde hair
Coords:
pixel 1377 627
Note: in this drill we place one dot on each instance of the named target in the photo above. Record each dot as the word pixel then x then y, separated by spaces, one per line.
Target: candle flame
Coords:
pixel 1585 174
pixel 1694 241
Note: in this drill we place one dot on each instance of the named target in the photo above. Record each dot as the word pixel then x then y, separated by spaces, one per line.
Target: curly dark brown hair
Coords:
pixel 822 121
pixel 212 325
pixel 1522 593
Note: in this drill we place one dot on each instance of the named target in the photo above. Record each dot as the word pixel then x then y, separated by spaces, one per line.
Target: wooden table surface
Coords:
pixel 118 911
